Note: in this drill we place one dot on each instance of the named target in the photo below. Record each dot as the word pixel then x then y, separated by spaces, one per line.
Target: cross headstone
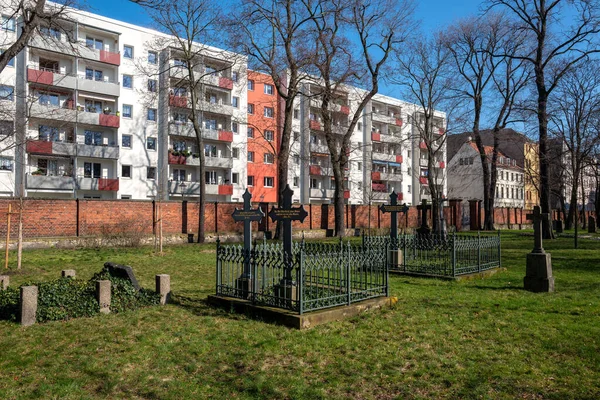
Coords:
pixel 424 228
pixel 286 213
pixel 537 217
pixel 394 208
pixel 247 215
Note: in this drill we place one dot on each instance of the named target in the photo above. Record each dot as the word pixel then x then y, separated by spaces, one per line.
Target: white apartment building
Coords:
pixel 101 112
pixel 465 180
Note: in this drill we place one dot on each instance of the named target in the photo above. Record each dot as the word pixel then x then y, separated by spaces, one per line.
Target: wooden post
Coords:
pixel 7 235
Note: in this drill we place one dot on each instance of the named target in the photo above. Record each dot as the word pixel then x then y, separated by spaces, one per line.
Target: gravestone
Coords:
pixel 122 271
pixel 591 225
pixel 247 215
pixel 29 303
pixel 395 255
pixel 538 277
pixel 286 213
pixel 424 229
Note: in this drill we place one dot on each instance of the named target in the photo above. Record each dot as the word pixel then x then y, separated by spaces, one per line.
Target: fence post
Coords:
pixel 348 286
pixel 478 251
pixel 404 240
pixel 301 281
pixel 387 270
pixel 454 254
pixel 218 277
pixel 499 250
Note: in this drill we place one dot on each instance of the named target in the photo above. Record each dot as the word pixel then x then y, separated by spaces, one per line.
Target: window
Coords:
pixel 48 133
pixel 250 108
pixel 314 184
pixel 91 170
pixel 178 62
pixel 8 23
pixel 126 171
pixel 269 135
pixel 152 57
pixel 128 81
pixel 210 150
pixel 125 197
pixel 235 178
pixel 409 188
pixel 152 85
pixel 234 127
pixel 126 141
pixel 7 93
pixel 127 110
pixel 11 62
pixel 296 159
pixel 6 128
pixel 152 114
pixel 210 177
pixel 359 166
pixel 179 175
pixel 150 172
pixel 268 158
pixel 180 118
pixel 93 138
pixel 268 181
pixel 151 143
pixel 250 180
pixel 250 156
pixel 93 43
pixel 296 136
pixel 268 89
pixel 296 181
pixel 269 112
pixel 128 52
pixel 296 113
pixel 50 32
pixel 250 132
pixel 234 76
pixel 6 164
pixel 250 84
pixel 94 74
pixel 93 106
pixel 49 99
pixel 235 153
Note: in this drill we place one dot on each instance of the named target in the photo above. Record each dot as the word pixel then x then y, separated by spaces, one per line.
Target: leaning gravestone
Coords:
pixel 538 276
pixel 122 271
pixel 591 225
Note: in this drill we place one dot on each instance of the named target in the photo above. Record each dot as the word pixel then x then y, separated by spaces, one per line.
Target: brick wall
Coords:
pixel 56 218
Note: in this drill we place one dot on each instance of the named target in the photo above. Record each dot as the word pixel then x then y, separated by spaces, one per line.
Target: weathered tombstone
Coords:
pixel 424 229
pixel 29 303
pixel 4 282
pixel 557 225
pixel 103 295
pixel 247 215
pixel 122 271
pixel 538 276
pixel 68 273
pixel 395 254
pixel 286 213
pixel 163 288
pixel 591 224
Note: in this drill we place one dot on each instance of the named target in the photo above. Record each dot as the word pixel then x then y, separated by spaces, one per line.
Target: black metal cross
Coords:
pixel 394 208
pixel 247 215
pixel 423 207
pixel 287 214
pixel 537 217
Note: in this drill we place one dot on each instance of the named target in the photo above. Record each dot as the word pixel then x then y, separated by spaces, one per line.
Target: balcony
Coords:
pixel 383 157
pixel 423 180
pixel 375 176
pixel 217 108
pixel 423 162
pixel 182 129
pixel 98 151
pixel 103 184
pixel 37 110
pixel 50 148
pixel 321 193
pixel 314 170
pixel 104 87
pixel 76 49
pixel 375 137
pixel 178 101
pixel 346 194
pixel 225 83
pixel 213 162
pixel 384 118
pixel 423 146
pixel 50 182
pixel 93 118
pixel 379 187
pixel 389 177
pixel 319 148
pixel 193 189
pixel 220 135
pixel 315 125
pixel 176 159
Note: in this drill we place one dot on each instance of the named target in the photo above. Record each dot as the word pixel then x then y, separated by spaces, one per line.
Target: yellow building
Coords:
pixel 532 175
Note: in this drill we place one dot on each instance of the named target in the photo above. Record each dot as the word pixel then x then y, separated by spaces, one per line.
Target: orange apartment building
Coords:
pixel 263 137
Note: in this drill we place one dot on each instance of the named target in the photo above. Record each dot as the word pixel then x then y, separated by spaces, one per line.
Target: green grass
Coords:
pixel 472 339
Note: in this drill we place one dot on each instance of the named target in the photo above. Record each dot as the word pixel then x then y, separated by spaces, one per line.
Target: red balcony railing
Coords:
pixel 109 120
pixel 346 194
pixel 423 180
pixel 379 187
pixel 345 110
pixel 376 176
pixel 39 147
pixel 177 159
pixel 442 164
pixel 315 125
pixel 398 122
pixel 376 136
pixel 108 184
pixel 225 136
pixel 37 76
pixel 226 190
pixel 314 170
pixel 399 159
pixel 178 101
pixel 225 83
pixel 110 58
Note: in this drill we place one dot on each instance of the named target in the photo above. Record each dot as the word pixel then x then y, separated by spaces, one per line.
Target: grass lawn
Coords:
pixel 473 339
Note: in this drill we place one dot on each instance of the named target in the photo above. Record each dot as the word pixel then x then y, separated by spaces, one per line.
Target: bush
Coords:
pixel 67 298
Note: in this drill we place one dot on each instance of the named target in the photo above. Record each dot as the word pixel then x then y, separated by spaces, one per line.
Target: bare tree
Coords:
pixel 380 27
pixel 552 52
pixel 574 122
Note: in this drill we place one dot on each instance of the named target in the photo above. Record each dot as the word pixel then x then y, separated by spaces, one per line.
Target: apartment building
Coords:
pixel 98 108
pixel 465 174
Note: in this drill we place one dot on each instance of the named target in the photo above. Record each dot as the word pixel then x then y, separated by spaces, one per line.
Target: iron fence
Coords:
pixel 439 255
pixel 315 276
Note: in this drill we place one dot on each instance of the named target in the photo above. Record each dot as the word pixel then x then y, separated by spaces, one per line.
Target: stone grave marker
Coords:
pixel 424 229
pixel 591 224
pixel 395 254
pixel 122 271
pixel 538 276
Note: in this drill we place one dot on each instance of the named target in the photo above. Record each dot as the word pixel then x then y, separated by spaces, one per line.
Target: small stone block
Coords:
pixel 4 282
pixel 29 302
pixel 103 296
pixel 395 258
pixel 163 287
pixel 68 273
